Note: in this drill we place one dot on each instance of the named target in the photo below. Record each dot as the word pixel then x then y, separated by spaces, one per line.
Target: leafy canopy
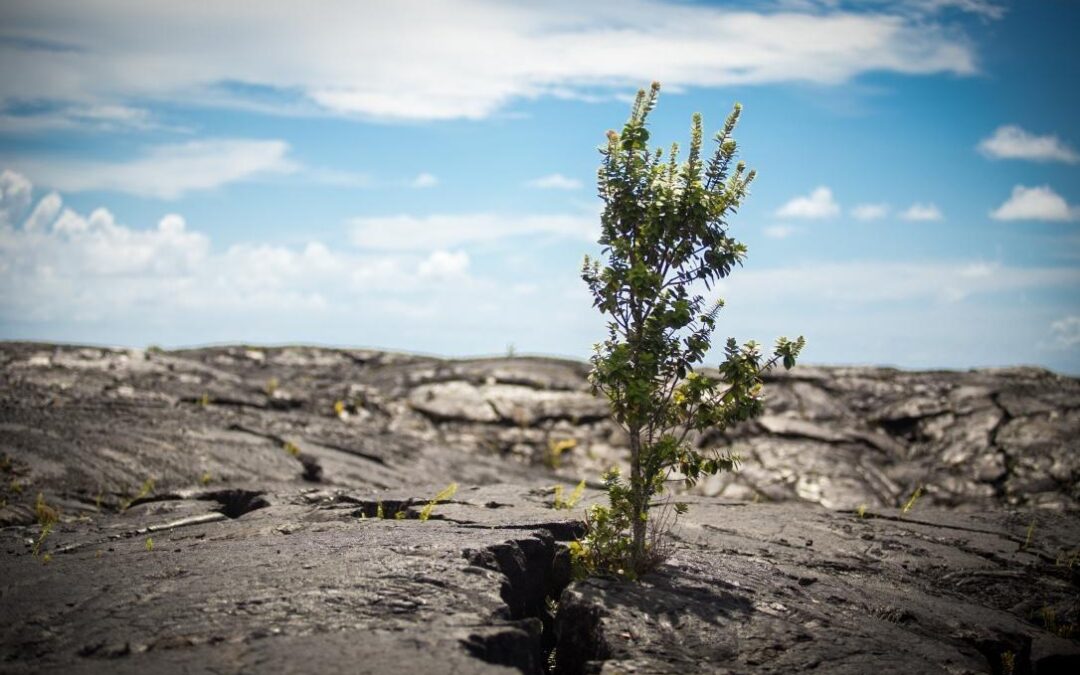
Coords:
pixel 665 239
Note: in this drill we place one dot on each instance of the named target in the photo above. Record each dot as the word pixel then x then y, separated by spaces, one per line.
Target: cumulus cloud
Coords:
pixel 81 277
pixel 1035 203
pixel 818 204
pixel 168 171
pixel 920 212
pixel 870 211
pixel 555 181
pixel 443 231
pixel 1012 142
pixel 57 264
pixel 444 265
pixel 1066 332
pixel 780 231
pixel 424 180
pixel 414 59
pixel 15 194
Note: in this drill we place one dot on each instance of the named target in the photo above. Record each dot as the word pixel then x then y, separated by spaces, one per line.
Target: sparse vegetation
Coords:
pixel 1027 538
pixel 291 448
pixel 1051 623
pixel 47 518
pixel 556 448
pixel 205 478
pixel 910 503
pixel 144 491
pixel 1008 662
pixel 1067 559
pixel 448 492
pixel 149 544
pixel 861 511
pixel 271 386
pixel 560 502
pixel 664 236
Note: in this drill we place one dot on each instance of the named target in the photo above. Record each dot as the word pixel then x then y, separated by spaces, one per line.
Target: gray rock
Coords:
pixel 259 475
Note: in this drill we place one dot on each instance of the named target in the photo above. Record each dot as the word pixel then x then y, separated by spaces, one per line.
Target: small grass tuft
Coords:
pixel 144 491
pixel 1008 663
pixel 271 386
pixel 861 511
pixel 46 515
pixel 1030 533
pixel 205 478
pixel 910 503
pixel 567 503
pixel 46 530
pixel 149 544
pixel 291 448
pixel 556 449
pixel 1067 559
pixel 448 492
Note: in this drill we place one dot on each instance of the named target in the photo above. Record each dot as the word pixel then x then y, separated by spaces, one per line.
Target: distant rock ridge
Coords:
pixel 841 436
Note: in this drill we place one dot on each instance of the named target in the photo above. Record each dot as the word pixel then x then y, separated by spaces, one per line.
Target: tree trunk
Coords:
pixel 638 498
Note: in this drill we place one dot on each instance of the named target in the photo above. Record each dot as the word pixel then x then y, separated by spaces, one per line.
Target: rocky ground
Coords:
pixel 219 511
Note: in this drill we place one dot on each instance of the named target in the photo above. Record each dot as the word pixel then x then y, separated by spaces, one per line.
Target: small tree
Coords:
pixel 665 235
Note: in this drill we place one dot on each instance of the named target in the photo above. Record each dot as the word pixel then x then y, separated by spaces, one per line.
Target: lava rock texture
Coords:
pixel 242 509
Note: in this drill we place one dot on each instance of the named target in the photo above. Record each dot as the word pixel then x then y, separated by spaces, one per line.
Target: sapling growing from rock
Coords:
pixel 664 240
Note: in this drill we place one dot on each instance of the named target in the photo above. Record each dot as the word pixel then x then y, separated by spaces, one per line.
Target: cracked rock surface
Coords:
pixel 219 511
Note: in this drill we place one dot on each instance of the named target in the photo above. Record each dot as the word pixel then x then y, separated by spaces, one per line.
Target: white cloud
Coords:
pixel 95 117
pixel 865 283
pixel 444 231
pixel 1066 332
pixel 15 195
pixel 444 265
pixel 818 204
pixel 424 180
pixel 985 8
pixel 414 59
pixel 168 171
pixel 780 231
pixel 1012 142
pixel 44 213
pixel 1035 203
pixel 100 280
pixel 59 265
pixel 555 181
pixel 922 212
pixel 870 211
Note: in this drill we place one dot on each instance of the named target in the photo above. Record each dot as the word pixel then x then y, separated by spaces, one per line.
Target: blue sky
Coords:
pixel 420 175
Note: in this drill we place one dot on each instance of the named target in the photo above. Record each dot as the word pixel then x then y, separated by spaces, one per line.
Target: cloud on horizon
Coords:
pixel 920 212
pixel 818 204
pixel 1035 203
pixel 1012 142
pixel 555 181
